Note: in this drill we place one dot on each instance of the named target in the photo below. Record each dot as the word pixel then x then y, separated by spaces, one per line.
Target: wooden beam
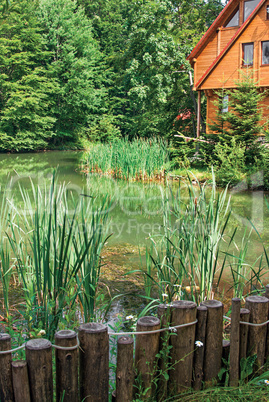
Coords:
pixel 198 115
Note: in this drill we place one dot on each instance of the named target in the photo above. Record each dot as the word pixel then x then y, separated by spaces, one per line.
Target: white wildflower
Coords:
pixel 199 344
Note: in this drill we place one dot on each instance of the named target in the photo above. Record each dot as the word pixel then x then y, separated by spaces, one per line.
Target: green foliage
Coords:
pixel 25 119
pixel 76 71
pixel 57 252
pixel 140 159
pixel 230 163
pixel 188 254
pixel 243 119
pixel 76 66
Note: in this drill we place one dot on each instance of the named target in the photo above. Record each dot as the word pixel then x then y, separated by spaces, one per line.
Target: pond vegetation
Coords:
pixel 139 159
pixel 54 249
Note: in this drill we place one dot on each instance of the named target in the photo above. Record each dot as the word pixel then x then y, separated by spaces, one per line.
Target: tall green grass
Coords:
pixel 123 159
pixel 57 251
pixel 195 248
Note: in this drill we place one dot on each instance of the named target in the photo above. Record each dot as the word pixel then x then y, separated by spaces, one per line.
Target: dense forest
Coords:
pixel 76 71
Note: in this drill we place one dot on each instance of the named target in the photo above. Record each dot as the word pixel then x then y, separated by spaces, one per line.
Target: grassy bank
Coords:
pixel 129 160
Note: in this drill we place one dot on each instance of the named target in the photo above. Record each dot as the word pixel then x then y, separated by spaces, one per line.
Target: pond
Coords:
pixel 135 212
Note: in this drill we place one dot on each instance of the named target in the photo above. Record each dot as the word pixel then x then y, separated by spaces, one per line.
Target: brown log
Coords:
pixel 258 307
pixel 235 342
pixel 20 381
pixel 93 362
pixel 125 370
pixel 213 344
pixel 198 362
pixel 147 347
pixel 66 367
pixel 266 294
pixel 6 389
pixel 39 361
pixel 164 315
pixel 182 343
pixel 244 317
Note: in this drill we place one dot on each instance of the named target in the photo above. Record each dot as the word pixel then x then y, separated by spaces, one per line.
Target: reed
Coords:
pixel 189 256
pixel 129 160
pixel 57 254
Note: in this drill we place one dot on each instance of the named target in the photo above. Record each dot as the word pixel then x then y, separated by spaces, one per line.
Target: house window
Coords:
pixel 249 7
pixel 265 52
pixel 225 104
pixel 234 20
pixel 267 12
pixel 247 54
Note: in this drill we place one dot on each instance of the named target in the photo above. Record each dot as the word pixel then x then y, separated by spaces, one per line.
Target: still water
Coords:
pixel 135 212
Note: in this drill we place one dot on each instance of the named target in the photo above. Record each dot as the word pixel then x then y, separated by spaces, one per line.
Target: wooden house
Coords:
pixel 238 39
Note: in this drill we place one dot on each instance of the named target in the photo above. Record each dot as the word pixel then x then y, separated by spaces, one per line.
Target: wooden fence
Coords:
pixel 184 337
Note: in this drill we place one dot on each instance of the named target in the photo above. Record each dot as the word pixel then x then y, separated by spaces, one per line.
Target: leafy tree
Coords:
pixel 76 65
pixel 243 120
pixel 25 119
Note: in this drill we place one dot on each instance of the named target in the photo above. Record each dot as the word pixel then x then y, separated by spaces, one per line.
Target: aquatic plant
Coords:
pixel 129 160
pixel 57 254
pixel 189 257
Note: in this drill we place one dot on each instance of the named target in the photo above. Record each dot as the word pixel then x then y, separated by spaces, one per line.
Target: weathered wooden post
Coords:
pixel 6 389
pixel 125 369
pixel 213 343
pixel 235 342
pixel 93 362
pixel 244 317
pixel 182 341
pixel 258 307
pixel 66 366
pixel 198 362
pixel 21 381
pixel 266 294
pixel 147 347
pixel 39 361
pixel 164 316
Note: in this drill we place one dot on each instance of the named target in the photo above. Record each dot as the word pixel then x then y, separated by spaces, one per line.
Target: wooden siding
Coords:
pixel 227 71
pixel 211 111
pixel 206 58
pixel 226 35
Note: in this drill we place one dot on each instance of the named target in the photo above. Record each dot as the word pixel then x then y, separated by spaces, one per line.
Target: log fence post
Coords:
pixel 200 335
pixel 235 342
pixel 182 342
pixel 93 362
pixel 244 317
pixel 66 367
pixel 125 369
pixel 6 388
pixel 213 343
pixel 20 379
pixel 258 307
pixel 164 316
pixel 147 347
pixel 39 361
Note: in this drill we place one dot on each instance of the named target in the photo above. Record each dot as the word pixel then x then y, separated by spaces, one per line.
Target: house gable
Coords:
pixel 226 68
pixel 219 40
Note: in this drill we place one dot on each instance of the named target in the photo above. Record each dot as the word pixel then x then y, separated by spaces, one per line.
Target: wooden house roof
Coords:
pixel 228 10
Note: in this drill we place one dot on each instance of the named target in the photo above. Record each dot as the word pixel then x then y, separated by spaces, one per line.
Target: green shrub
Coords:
pixel 230 163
